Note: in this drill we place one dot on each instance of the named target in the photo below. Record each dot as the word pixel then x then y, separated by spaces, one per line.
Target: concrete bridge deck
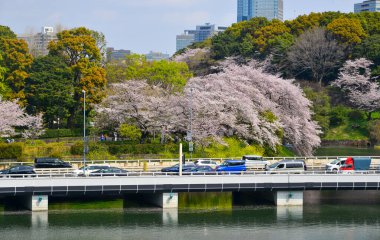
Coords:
pixel 154 182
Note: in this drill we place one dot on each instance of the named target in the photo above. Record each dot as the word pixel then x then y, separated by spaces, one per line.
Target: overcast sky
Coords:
pixel 140 25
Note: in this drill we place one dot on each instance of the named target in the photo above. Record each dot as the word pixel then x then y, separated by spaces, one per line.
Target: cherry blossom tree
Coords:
pixel 35 127
pixel 255 106
pixel 240 101
pixel 12 115
pixel 135 102
pixel 355 80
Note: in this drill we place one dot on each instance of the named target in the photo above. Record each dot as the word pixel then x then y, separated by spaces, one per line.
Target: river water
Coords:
pixel 265 222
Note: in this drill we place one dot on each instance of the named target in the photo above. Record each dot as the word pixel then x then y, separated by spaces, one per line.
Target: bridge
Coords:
pixel 163 189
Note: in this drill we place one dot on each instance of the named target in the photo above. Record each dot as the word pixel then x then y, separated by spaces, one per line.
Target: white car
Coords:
pixel 335 165
pixel 91 168
pixel 203 162
pixel 255 162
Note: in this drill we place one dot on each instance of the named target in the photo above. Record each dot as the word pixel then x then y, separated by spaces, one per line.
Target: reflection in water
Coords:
pixel 169 217
pixel 40 219
pixel 288 213
pixel 265 222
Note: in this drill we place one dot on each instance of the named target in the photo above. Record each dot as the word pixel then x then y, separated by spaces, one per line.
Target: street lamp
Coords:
pixel 84 132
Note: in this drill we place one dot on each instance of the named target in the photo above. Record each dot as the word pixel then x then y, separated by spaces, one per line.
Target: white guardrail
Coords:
pixel 153 165
pixel 195 174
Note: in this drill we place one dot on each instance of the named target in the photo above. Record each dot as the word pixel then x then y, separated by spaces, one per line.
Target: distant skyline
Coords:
pixel 141 25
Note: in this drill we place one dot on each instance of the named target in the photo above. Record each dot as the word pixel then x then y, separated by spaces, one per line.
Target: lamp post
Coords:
pixel 84 132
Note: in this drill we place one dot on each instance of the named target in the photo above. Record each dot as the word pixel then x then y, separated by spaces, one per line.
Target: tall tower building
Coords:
pixel 367 6
pixel 38 43
pixel 271 9
pixel 201 33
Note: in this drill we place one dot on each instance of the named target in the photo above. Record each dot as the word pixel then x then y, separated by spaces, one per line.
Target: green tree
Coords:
pixel 6 32
pixel 79 49
pixel 170 75
pixel 348 31
pixel 224 45
pixel 264 37
pixel 49 89
pixel 130 131
pixel 3 85
pixel 374 129
pixel 16 60
pixel 370 49
pixel 321 106
pixel 370 21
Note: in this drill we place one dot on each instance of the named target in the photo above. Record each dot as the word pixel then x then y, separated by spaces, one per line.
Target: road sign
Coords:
pixel 191 146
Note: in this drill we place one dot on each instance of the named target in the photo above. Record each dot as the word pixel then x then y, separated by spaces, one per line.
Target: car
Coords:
pixel 296 166
pixel 255 162
pixel 232 166
pixel 19 169
pixel 335 165
pixel 175 168
pixel 50 163
pixel 200 169
pixel 204 162
pixel 111 171
pixel 91 168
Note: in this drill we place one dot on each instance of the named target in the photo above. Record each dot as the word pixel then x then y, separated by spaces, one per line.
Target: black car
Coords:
pixel 19 169
pixel 175 168
pixel 50 163
pixel 112 171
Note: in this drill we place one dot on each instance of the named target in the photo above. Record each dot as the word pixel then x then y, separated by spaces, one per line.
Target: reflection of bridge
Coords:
pixel 163 190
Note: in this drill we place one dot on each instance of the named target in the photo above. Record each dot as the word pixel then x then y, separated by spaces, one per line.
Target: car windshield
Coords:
pixel 335 161
pixel 274 165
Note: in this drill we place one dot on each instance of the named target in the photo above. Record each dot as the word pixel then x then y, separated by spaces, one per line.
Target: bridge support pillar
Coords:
pixel 166 200
pixel 288 198
pixel 37 203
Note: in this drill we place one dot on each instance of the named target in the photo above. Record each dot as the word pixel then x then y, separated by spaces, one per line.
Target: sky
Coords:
pixel 140 25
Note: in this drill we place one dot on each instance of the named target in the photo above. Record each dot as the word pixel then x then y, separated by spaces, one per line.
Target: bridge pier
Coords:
pixel 36 203
pixel 288 198
pixel 166 200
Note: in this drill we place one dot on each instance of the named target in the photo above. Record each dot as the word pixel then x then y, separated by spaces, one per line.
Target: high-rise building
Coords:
pixel 113 54
pixel 367 6
pixel 201 33
pixel 38 43
pixel 156 56
pixel 185 39
pixel 271 9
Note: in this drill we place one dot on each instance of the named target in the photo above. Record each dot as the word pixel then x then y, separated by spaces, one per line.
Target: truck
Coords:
pixel 356 164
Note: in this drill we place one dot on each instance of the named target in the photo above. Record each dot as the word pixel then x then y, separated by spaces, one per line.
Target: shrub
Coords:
pixel 77 148
pixel 356 115
pixel 11 150
pixel 338 115
pixel 129 131
pixel 55 133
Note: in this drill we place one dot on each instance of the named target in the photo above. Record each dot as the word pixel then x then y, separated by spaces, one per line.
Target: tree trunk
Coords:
pixel 369 116
pixel 144 137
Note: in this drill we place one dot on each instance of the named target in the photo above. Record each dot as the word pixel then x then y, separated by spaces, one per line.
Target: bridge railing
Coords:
pixel 192 174
pixel 156 164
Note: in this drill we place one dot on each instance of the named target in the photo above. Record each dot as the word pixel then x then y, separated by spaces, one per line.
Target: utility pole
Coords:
pixel 84 133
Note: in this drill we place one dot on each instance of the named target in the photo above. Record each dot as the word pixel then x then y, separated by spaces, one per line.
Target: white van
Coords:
pixel 292 166
pixel 335 165
pixel 255 162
